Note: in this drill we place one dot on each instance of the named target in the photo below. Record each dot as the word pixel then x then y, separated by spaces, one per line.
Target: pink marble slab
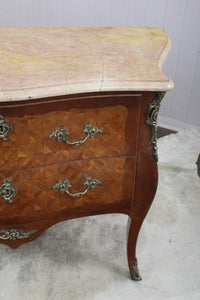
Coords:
pixel 40 62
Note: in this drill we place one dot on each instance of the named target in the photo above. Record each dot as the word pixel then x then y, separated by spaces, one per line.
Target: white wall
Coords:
pixel 180 18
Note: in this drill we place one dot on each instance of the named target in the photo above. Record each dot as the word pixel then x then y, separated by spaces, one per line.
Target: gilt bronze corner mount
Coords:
pixel 151 120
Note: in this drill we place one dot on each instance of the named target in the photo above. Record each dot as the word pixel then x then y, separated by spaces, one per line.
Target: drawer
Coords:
pixel 93 127
pixel 53 191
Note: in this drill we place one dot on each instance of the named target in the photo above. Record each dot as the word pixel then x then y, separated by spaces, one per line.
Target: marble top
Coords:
pixel 40 62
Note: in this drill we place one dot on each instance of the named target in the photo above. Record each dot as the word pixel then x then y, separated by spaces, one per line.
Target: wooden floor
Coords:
pixel 163 131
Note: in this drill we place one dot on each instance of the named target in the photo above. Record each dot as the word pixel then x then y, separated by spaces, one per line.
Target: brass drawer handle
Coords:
pixel 64 186
pixel 13 234
pixel 4 128
pixel 89 130
pixel 7 191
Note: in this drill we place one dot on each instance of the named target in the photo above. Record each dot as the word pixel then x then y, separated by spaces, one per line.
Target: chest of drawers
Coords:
pixel 78 121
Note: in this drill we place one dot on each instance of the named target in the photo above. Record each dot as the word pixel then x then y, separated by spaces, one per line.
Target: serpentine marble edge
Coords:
pixel 40 62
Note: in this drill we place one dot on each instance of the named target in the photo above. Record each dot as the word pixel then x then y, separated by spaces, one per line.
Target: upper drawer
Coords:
pixel 50 132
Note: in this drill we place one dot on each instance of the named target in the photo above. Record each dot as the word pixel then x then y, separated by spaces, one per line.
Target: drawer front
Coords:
pixel 68 188
pixel 49 133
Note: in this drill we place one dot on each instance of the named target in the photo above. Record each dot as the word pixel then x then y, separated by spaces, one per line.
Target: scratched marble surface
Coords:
pixel 41 62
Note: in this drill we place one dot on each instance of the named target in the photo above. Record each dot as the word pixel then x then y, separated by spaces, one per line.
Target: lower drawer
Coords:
pixel 58 190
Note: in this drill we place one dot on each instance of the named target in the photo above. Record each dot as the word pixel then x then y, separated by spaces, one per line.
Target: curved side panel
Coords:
pixel 146 179
pixel 146 185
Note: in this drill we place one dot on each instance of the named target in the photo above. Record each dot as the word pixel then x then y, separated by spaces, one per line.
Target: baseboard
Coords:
pixel 174 124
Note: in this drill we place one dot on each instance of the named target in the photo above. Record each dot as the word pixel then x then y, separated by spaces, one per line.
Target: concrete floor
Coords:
pixel 163 132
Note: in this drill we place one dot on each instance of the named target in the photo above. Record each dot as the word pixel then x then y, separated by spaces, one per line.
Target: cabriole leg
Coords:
pixel 133 228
